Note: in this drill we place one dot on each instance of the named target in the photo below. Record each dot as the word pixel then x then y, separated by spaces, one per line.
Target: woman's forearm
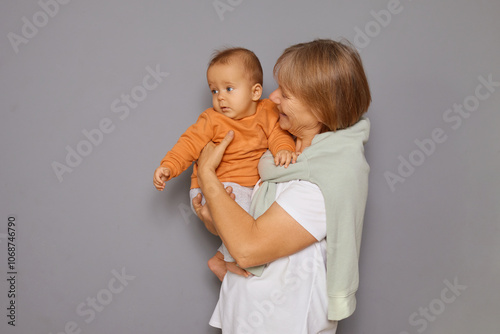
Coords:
pixel 251 242
pixel 233 224
pixel 209 225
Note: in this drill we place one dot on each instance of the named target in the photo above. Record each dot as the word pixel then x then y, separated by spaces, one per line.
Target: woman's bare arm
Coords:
pixel 250 241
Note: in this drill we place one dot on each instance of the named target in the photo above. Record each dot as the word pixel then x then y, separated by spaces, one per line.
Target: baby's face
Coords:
pixel 232 92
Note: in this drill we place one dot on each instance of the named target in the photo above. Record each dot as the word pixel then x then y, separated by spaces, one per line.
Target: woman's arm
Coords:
pixel 203 212
pixel 250 241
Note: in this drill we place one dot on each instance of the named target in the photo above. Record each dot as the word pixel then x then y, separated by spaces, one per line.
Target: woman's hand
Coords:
pixel 212 154
pixel 204 214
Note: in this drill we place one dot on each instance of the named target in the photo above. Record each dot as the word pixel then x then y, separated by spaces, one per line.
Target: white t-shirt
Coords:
pixel 290 297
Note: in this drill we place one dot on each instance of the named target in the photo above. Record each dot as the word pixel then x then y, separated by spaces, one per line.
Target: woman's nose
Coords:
pixel 274 96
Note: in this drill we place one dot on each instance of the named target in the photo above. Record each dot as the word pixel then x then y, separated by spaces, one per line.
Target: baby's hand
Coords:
pixel 161 176
pixel 284 157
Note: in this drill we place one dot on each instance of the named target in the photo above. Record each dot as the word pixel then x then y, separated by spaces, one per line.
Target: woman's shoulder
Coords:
pixel 339 147
pixel 355 134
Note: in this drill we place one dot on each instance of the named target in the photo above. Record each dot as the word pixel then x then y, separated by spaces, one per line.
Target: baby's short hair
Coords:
pixel 249 60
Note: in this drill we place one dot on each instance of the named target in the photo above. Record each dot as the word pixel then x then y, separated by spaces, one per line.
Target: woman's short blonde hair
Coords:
pixel 327 76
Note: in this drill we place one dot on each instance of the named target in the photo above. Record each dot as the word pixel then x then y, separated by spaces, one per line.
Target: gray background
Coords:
pixel 438 227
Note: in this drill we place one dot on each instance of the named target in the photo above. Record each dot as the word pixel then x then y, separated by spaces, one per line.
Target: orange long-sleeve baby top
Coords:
pixel 253 135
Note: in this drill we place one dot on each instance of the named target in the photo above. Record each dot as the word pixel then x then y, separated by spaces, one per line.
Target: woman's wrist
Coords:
pixel 205 176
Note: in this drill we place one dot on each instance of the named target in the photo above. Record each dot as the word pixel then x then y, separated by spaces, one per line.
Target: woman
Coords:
pixel 309 216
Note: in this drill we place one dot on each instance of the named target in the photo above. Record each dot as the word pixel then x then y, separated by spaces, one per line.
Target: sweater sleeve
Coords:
pixel 345 222
pixel 338 165
pixel 188 147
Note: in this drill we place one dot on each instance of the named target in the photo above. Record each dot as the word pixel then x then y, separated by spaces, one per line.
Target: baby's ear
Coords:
pixel 256 92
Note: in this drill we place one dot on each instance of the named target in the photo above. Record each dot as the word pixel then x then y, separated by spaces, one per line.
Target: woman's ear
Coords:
pixel 256 92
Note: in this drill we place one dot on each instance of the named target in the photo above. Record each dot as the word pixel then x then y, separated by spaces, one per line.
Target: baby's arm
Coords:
pixel 185 151
pixel 282 146
pixel 280 142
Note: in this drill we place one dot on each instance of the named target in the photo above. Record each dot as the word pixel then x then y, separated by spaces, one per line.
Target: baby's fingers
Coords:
pixel 158 184
pixel 277 159
pixel 288 159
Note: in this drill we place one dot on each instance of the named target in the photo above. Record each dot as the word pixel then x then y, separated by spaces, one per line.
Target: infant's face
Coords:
pixel 231 90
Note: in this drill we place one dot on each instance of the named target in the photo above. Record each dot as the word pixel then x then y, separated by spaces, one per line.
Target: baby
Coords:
pixel 235 79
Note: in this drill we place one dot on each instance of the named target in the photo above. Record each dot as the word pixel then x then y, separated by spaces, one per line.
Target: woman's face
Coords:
pixel 295 116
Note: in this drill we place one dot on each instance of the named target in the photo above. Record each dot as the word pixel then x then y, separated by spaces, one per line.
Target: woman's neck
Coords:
pixel 301 143
pixel 305 138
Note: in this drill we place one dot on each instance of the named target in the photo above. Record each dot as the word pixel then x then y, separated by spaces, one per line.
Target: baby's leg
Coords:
pixel 243 196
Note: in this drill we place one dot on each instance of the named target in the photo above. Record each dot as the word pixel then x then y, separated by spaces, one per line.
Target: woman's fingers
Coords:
pixel 229 191
pixel 227 139
pixel 212 154
pixel 197 203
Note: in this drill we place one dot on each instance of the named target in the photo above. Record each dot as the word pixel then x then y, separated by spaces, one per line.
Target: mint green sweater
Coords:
pixel 336 163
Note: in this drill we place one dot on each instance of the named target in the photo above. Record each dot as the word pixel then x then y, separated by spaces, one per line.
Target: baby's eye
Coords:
pixel 229 89
pixel 214 91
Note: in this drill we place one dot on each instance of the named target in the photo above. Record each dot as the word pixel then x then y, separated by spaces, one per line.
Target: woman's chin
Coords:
pixel 284 124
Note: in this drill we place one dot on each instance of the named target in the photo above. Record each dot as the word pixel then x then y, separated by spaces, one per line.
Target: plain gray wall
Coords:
pixel 431 244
